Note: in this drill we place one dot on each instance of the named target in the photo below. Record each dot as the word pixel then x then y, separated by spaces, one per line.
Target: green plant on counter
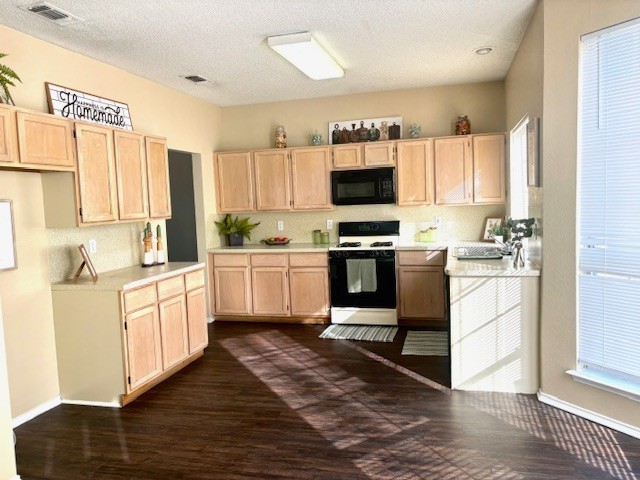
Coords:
pixel 501 229
pixel 7 79
pixel 237 226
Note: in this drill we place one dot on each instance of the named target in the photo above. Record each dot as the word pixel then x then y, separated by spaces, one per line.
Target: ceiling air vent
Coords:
pixel 195 78
pixel 52 13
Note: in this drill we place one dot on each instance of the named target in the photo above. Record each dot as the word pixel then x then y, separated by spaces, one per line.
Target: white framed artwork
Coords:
pixel 8 256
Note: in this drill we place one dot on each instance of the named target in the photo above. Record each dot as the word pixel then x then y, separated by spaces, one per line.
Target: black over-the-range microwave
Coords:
pixel 364 186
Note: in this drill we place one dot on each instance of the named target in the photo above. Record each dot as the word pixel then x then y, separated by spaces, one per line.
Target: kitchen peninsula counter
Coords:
pixel 129 278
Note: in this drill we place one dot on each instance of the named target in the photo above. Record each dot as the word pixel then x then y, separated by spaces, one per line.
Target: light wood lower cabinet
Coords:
pixel 114 345
pixel 173 331
pixel 422 288
pixel 309 289
pixel 285 286
pixel 144 353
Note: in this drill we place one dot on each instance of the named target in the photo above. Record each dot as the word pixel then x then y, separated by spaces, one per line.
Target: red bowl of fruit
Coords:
pixel 276 241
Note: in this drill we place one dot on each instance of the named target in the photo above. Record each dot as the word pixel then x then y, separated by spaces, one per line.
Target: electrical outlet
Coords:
pixel 329 224
pixel 280 225
pixel 436 221
pixel 93 245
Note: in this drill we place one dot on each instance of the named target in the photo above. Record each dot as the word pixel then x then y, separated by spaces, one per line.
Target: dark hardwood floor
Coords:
pixel 276 402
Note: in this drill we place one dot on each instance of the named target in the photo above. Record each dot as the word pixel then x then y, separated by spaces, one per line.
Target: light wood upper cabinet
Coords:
pixel 45 141
pixel 453 164
pixel 270 291
pixel 96 174
pixel 311 184
pixel 234 182
pixel 158 177
pixel 271 174
pixel 347 156
pixel 489 169
pixel 309 290
pixel 379 154
pixel 174 333
pixel 8 135
pixel 415 172
pixel 131 172
pixel 197 320
pixel 144 351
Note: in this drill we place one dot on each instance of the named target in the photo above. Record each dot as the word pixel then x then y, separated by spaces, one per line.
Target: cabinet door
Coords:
pixel 197 320
pixel 270 291
pixel 311 184
pixel 131 173
pixel 452 159
pixel 271 174
pixel 415 173
pixel 96 174
pixel 488 169
pixel 174 332
pixel 347 156
pixel 232 287
pixel 379 154
pixel 8 135
pixel 234 182
pixel 158 177
pixel 45 140
pixel 421 292
pixel 144 354
pixel 309 288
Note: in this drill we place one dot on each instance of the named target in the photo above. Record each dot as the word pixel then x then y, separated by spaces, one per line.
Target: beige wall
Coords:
pixel 26 299
pixel 524 97
pixel 7 452
pixel 564 22
pixel 435 108
pixel 189 124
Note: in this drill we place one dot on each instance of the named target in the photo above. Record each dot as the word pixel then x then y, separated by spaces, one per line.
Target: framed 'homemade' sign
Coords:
pixel 77 105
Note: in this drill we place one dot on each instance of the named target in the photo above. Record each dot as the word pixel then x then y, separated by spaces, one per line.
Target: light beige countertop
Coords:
pixel 489 268
pixel 262 248
pixel 129 277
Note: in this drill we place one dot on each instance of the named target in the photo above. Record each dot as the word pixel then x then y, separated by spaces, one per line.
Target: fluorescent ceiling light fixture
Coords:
pixel 307 55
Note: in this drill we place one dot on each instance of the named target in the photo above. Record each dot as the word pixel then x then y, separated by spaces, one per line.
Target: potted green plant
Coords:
pixel 500 232
pixel 235 229
pixel 7 79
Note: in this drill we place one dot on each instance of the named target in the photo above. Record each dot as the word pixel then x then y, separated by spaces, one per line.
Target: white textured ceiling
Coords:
pixel 382 45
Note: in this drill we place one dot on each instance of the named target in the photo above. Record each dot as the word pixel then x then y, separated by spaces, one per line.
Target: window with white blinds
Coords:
pixel 609 204
pixel 518 190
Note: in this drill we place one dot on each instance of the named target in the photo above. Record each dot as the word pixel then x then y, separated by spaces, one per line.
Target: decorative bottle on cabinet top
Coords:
pixel 281 137
pixel 463 125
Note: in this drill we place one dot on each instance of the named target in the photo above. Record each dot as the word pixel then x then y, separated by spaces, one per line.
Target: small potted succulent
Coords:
pixel 235 229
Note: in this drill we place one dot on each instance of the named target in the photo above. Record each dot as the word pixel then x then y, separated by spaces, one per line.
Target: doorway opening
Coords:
pixel 181 228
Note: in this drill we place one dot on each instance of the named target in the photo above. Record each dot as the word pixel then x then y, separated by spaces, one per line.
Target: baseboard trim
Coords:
pixel 35 411
pixel 89 403
pixel 589 415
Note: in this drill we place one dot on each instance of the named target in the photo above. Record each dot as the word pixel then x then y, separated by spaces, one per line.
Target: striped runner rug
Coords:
pixel 368 333
pixel 426 343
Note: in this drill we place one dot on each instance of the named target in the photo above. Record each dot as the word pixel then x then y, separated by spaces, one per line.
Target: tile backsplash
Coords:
pixel 460 222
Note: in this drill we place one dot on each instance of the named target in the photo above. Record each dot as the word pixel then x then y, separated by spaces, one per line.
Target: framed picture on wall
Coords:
pixel 8 254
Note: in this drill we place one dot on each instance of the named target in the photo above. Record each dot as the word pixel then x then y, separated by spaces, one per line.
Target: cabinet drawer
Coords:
pixel 194 280
pixel 230 260
pixel 139 298
pixel 421 257
pixel 170 287
pixel 268 260
pixel 308 260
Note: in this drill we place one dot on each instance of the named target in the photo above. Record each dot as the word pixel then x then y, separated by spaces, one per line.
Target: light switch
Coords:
pixel 329 224
pixel 93 245
pixel 280 225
